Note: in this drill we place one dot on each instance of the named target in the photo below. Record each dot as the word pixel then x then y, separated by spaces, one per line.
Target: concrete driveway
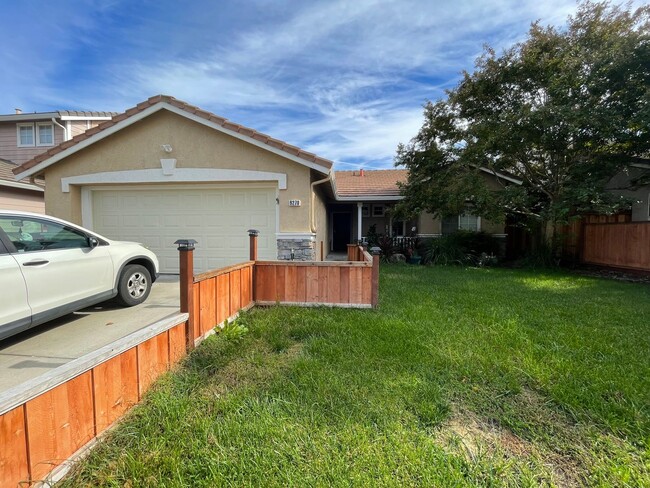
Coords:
pixel 50 345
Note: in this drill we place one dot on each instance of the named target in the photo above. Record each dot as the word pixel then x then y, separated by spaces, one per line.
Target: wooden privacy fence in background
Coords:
pixel 621 245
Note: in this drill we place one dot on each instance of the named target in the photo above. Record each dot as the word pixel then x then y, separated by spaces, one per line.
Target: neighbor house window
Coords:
pixel 455 223
pixel 365 211
pixel 44 135
pixel 468 222
pixel 25 135
pixel 378 210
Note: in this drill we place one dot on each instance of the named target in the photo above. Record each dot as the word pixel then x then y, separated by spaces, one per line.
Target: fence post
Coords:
pixel 186 265
pixel 352 249
pixel 252 234
pixel 374 298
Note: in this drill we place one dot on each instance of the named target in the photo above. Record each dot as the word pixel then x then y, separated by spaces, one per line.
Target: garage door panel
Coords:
pixel 217 218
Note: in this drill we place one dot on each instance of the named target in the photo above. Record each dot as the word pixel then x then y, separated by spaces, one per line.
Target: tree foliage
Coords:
pixel 564 111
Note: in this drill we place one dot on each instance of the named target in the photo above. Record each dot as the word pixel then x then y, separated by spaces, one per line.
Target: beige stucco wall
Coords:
pixel 429 225
pixel 194 146
pixel 320 219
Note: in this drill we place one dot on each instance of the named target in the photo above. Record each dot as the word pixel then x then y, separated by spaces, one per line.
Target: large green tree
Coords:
pixel 563 111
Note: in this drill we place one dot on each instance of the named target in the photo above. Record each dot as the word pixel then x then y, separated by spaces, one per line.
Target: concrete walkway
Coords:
pixel 50 345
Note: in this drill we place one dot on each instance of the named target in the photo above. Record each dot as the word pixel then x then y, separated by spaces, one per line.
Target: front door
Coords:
pixel 342 231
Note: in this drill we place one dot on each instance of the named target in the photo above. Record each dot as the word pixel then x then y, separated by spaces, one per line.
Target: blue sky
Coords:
pixel 344 79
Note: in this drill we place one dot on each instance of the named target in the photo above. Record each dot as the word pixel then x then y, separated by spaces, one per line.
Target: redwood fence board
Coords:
pixel 196 311
pixel 208 311
pixel 235 291
pixel 115 388
pixel 334 285
pixel 153 356
pixel 223 298
pixel 622 245
pixel 177 343
pixel 13 457
pixel 59 422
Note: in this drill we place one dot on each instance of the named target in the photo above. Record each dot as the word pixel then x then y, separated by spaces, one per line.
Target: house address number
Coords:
pixel 294 203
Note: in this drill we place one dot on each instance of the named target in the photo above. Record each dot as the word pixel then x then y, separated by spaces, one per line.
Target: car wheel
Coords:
pixel 134 285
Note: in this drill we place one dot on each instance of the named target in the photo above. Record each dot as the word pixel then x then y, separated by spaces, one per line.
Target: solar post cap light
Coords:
pixel 185 244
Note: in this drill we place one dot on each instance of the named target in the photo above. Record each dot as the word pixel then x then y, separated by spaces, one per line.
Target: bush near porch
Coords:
pixel 462 377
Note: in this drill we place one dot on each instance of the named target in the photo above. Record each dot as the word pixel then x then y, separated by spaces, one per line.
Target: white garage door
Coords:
pixel 217 218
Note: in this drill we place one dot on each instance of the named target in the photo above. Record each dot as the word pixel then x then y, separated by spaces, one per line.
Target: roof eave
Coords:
pixel 102 134
pixel 22 186
pixel 28 117
pixel 368 198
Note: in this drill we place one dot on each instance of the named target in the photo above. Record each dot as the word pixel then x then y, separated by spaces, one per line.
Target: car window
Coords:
pixel 30 234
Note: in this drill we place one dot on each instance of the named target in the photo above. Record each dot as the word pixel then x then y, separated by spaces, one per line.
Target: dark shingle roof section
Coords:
pixel 367 183
pixel 191 109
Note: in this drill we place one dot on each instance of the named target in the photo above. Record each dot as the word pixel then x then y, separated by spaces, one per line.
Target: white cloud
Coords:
pixel 346 80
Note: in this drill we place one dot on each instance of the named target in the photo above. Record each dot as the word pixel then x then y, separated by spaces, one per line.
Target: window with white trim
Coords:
pixel 25 134
pixel 455 223
pixel 468 222
pixel 378 210
pixel 44 134
pixel 35 134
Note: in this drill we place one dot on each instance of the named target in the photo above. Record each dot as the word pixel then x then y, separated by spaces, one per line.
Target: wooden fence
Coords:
pixel 298 283
pixel 50 419
pixel 53 418
pixel 620 245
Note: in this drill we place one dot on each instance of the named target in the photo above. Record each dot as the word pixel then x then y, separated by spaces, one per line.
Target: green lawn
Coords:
pixel 463 377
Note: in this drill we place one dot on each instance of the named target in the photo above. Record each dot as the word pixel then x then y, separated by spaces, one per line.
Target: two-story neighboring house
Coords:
pixel 24 136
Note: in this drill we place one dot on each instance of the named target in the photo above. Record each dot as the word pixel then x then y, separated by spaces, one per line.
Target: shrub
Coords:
pixel 463 247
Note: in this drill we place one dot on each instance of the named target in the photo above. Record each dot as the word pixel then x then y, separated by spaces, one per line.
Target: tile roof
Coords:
pixel 6 173
pixel 190 109
pixel 360 183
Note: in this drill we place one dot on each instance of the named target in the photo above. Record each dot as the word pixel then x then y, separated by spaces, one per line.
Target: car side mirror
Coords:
pixel 93 242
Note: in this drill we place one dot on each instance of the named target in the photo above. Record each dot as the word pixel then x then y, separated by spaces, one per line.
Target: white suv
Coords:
pixel 50 267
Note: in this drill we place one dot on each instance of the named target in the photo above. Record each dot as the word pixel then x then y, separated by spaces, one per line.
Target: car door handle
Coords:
pixel 36 262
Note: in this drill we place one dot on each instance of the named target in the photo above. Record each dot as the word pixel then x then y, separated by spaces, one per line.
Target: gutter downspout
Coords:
pixel 312 223
pixel 65 131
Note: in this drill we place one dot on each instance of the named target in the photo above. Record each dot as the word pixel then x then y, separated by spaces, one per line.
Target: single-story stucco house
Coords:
pixel 166 170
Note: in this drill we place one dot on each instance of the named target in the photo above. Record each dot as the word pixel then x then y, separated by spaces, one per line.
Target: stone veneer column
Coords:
pixel 304 249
